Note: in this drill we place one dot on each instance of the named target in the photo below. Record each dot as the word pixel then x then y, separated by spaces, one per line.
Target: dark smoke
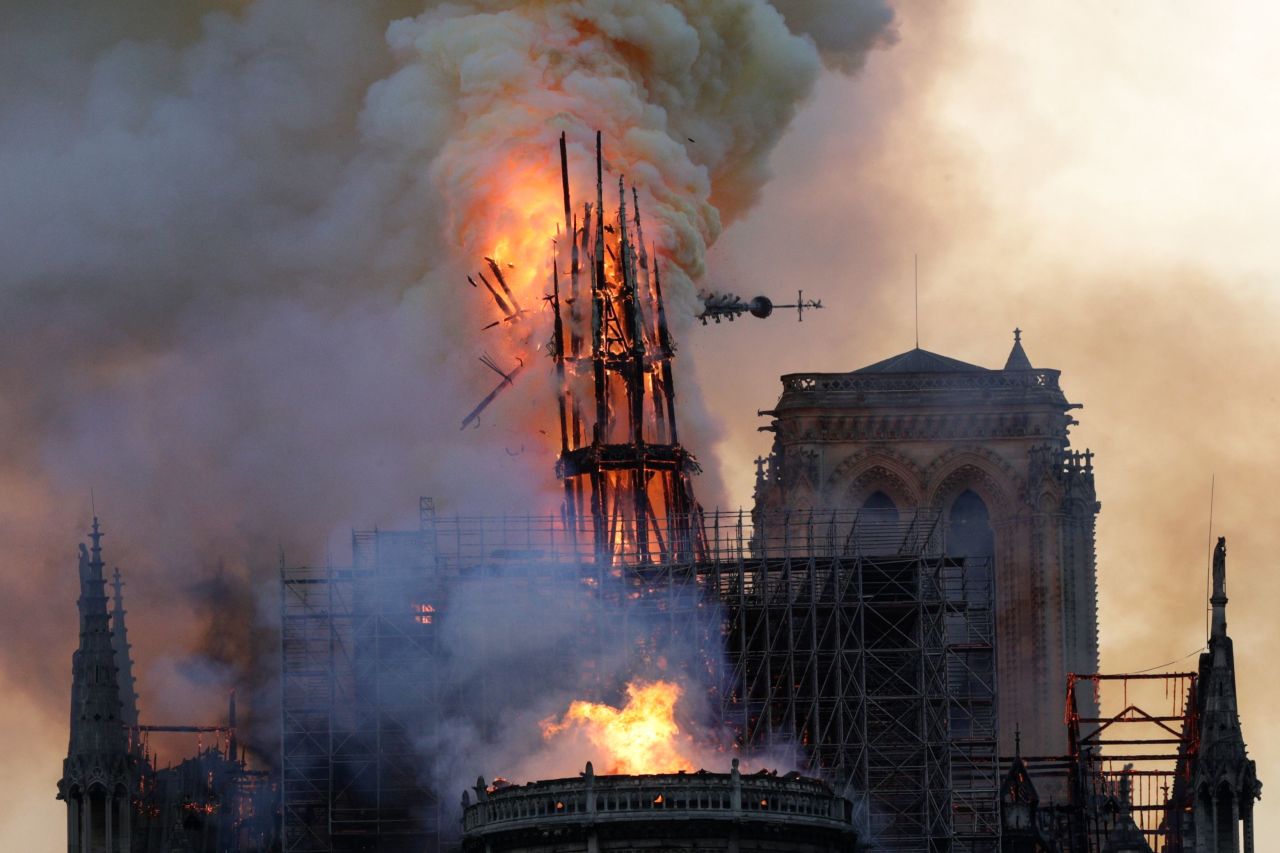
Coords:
pixel 230 288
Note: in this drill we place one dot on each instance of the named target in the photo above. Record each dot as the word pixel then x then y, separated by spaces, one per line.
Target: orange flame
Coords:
pixel 514 221
pixel 640 737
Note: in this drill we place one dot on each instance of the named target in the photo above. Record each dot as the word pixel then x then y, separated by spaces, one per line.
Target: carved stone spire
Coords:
pixel 120 640
pixel 1224 779
pixel 96 726
pixel 1219 597
pixel 1019 804
pixel 97 773
pixel 1125 836
pixel 1017 356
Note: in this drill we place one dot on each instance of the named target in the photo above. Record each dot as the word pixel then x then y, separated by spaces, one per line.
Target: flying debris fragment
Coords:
pixel 730 306
pixel 506 301
pixel 508 378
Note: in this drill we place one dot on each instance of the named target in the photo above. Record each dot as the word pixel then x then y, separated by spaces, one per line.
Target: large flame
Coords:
pixel 640 737
pixel 514 221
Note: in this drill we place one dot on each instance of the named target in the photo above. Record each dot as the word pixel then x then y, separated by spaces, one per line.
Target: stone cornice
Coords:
pixel 950 426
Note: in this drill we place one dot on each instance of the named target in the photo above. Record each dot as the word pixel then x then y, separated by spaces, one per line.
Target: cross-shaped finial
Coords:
pixel 1017 741
pixel 1017 336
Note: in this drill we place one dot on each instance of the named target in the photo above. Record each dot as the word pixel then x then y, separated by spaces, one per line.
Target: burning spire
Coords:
pixel 626 477
pixel 621 462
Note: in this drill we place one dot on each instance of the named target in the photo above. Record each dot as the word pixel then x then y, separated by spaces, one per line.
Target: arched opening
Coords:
pixel 878 505
pixel 970 540
pixel 97 803
pixel 1227 830
pixel 878 525
pixel 970 533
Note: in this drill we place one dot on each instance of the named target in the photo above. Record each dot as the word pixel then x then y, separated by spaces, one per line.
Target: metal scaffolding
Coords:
pixel 855 639
pixel 357 644
pixel 1136 763
pixel 860 640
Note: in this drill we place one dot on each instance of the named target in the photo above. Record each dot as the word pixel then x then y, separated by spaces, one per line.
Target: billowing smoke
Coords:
pixel 234 238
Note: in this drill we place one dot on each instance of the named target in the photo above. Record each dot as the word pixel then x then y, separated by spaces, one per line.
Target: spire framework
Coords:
pixel 627 478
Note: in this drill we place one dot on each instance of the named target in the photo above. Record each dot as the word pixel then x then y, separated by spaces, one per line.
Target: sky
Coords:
pixel 1095 173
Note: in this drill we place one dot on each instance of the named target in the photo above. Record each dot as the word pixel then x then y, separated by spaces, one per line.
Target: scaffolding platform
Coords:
pixel 849 635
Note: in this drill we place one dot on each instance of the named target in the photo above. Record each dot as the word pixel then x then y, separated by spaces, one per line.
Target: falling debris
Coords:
pixel 507 379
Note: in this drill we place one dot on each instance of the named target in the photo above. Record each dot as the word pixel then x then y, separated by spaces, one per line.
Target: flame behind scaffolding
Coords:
pixel 621 461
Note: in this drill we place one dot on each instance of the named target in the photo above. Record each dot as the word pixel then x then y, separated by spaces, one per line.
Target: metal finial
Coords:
pixel 1017 741
pixel 1017 336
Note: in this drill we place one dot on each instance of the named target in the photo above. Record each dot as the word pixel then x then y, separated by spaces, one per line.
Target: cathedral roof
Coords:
pixel 921 361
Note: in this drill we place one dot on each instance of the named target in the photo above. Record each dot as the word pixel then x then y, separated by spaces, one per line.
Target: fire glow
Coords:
pixel 640 737
pixel 517 229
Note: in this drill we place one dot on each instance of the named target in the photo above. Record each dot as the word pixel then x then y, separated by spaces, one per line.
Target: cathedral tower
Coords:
pixel 98 772
pixel 987 451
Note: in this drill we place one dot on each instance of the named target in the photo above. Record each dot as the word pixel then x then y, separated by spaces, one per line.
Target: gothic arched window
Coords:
pixel 970 533
pixel 880 507
pixel 878 525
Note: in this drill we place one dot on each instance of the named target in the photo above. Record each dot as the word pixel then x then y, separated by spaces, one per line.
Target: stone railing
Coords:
pixel 680 796
pixel 853 383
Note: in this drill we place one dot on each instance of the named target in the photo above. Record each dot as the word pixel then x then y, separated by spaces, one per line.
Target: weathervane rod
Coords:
pixel 1208 567
pixel 916 257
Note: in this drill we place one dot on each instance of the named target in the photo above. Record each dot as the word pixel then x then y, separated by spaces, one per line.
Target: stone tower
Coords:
pixel 98 772
pixel 989 452
pixel 1224 780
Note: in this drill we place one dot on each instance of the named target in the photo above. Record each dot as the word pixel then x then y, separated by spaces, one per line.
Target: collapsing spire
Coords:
pixel 617 396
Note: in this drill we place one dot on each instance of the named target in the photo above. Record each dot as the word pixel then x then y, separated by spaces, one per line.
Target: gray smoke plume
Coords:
pixel 232 254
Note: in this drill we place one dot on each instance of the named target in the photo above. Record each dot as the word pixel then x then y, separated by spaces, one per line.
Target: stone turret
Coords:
pixel 98 772
pixel 1224 780
pixel 1019 809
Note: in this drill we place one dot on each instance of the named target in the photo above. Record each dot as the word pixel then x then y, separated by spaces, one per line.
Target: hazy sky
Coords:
pixel 1096 173
pixel 1102 175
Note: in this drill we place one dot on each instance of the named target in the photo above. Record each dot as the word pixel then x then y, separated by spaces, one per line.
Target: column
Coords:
pixel 1248 825
pixel 1235 824
pixel 1204 823
pixel 108 806
pixel 86 823
pixel 73 825
pixel 126 823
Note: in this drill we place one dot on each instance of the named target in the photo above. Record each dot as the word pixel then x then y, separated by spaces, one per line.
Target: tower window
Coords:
pixel 970 533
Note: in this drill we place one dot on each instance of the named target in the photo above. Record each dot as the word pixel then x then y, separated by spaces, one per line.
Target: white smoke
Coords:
pixel 232 248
